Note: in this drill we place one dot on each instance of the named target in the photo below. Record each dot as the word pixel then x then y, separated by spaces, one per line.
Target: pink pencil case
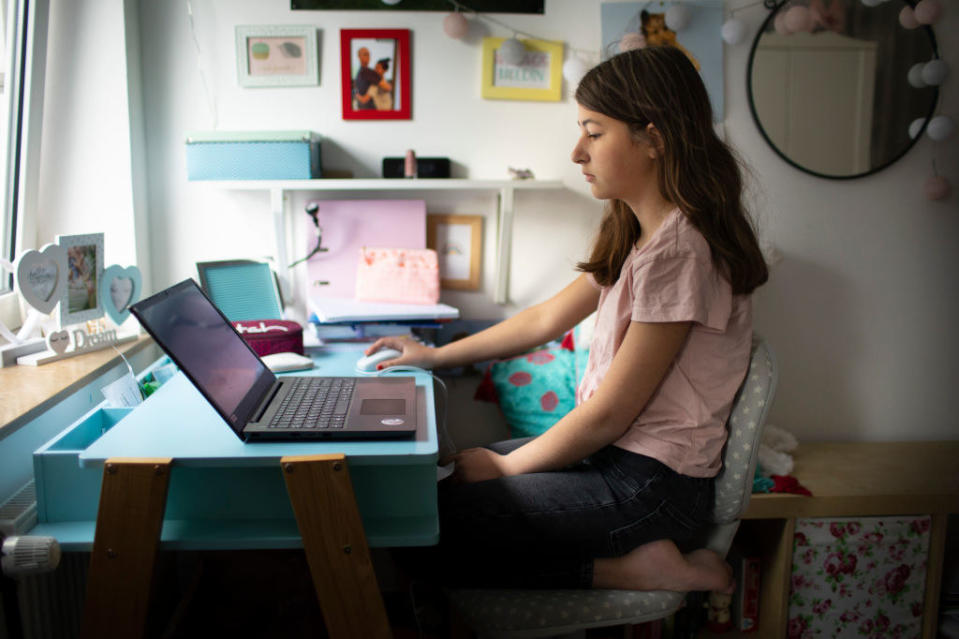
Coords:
pixel 406 276
pixel 271 336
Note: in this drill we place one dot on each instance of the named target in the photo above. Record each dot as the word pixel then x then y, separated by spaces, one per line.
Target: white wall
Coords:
pixel 861 309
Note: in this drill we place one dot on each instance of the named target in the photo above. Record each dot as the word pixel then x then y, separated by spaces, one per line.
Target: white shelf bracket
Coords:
pixel 504 245
pixel 278 201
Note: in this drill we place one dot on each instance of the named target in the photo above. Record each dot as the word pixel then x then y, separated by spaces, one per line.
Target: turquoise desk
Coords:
pixel 171 475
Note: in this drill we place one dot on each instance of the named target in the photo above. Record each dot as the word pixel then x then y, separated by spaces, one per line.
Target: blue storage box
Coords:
pixel 253 155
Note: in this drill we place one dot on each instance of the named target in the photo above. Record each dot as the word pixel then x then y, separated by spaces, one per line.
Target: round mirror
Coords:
pixel 838 101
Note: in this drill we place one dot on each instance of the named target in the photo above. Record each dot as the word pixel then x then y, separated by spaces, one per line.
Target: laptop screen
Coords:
pixel 203 343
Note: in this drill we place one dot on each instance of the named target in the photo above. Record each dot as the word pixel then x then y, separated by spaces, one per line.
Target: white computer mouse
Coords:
pixel 282 362
pixel 369 362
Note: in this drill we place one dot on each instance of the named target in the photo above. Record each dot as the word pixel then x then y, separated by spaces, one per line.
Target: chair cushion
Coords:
pixel 532 613
pixel 734 482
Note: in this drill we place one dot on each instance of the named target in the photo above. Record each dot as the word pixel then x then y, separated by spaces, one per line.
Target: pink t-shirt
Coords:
pixel 672 279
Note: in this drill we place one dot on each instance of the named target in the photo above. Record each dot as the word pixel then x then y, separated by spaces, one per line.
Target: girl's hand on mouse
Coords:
pixel 414 353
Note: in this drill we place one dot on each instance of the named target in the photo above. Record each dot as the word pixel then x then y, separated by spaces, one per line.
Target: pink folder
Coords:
pixel 348 226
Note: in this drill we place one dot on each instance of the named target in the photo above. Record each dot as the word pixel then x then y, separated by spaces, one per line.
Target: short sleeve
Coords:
pixel 681 288
pixel 591 279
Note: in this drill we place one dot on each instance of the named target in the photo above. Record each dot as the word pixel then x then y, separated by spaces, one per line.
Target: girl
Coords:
pixel 608 495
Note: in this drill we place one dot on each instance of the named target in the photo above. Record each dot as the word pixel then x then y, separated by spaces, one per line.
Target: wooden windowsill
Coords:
pixel 27 391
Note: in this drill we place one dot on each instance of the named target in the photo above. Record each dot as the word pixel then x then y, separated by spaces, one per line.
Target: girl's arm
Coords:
pixel 647 352
pixel 534 326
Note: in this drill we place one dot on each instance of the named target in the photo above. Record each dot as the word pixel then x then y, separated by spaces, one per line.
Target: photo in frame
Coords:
pixel 375 65
pixel 81 297
pixel 458 242
pixel 538 76
pixel 276 56
pixel 701 39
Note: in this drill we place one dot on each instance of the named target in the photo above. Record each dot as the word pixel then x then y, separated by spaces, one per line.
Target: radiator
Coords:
pixel 51 604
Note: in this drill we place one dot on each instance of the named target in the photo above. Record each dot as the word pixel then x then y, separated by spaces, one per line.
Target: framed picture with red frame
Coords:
pixel 375 66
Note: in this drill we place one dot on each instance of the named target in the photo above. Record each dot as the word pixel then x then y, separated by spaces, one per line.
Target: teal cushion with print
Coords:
pixel 535 390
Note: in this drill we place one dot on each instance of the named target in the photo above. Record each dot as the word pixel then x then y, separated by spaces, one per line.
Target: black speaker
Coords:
pixel 425 167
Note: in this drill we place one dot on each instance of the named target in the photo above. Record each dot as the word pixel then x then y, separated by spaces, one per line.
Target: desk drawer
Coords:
pixel 65 491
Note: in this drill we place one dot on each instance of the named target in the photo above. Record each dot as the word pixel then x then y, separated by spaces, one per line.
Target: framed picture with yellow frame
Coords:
pixel 538 76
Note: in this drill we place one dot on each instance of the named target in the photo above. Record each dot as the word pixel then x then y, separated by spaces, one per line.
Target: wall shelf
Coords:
pixel 506 189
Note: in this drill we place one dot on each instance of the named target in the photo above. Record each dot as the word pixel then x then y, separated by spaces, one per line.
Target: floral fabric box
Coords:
pixel 861 577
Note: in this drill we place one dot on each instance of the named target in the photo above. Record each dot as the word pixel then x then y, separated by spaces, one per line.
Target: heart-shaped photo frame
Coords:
pixel 119 289
pixel 42 276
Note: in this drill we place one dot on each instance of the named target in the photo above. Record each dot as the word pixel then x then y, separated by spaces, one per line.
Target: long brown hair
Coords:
pixel 698 172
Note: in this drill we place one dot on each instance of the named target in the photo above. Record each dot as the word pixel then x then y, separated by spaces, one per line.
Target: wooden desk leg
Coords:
pixel 937 550
pixel 125 544
pixel 325 507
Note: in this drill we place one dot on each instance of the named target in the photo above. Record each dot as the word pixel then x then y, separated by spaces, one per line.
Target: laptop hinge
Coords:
pixel 261 409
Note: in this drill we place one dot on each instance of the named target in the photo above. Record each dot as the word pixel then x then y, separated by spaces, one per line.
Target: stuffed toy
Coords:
pixel 719 619
pixel 774 449
pixel 776 463
pixel 657 34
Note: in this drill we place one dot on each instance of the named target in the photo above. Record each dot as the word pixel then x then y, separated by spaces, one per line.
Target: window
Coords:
pixel 14 40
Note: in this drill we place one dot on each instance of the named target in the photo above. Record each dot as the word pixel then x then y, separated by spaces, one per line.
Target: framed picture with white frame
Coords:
pixel 81 297
pixel 276 56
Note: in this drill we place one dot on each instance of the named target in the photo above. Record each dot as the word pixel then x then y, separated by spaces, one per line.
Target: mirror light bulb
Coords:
pixel 632 40
pixel 940 128
pixel 935 72
pixel 915 75
pixel 677 17
pixel 512 52
pixel 928 11
pixel 573 70
pixel 455 25
pixel 907 18
pixel 937 188
pixel 779 23
pixel 733 31
pixel 798 19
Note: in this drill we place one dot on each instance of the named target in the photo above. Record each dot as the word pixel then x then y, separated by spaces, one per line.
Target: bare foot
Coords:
pixel 710 563
pixel 659 565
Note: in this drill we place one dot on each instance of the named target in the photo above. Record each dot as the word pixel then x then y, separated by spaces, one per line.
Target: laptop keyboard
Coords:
pixel 315 402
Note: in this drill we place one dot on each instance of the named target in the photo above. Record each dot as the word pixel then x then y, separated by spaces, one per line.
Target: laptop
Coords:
pixel 254 402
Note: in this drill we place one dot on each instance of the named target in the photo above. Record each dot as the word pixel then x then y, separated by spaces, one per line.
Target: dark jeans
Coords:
pixel 543 530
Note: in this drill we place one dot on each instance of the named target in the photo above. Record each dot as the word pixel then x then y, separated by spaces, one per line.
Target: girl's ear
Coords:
pixel 657 146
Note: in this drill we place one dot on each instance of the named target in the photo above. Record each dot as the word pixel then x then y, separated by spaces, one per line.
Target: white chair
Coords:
pixel 544 613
